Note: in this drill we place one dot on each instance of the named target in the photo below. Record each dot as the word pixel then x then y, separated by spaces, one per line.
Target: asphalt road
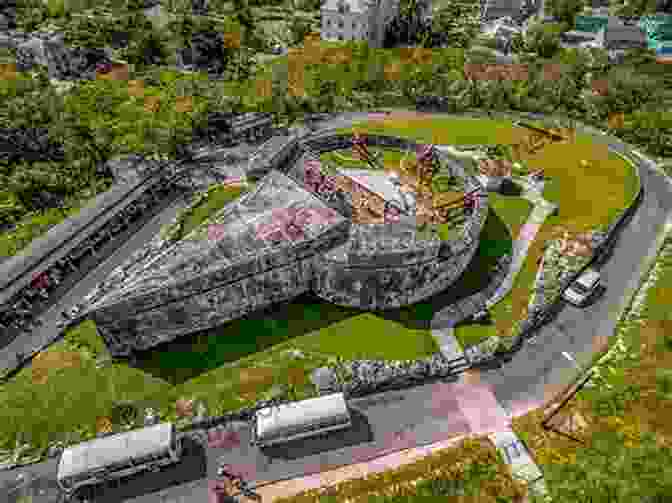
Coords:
pixel 416 416
pixel 540 367
pixel 45 333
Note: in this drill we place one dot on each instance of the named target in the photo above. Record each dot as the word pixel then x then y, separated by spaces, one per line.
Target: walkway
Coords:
pixel 541 211
pixel 499 287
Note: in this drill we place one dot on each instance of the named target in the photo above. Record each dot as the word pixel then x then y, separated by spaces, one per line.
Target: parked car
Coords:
pixel 582 288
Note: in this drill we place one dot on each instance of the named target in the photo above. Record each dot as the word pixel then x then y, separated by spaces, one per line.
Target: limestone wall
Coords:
pixel 124 334
pixel 386 267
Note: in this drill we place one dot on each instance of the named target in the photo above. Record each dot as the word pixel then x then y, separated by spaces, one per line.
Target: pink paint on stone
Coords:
pixel 364 453
pixel 216 232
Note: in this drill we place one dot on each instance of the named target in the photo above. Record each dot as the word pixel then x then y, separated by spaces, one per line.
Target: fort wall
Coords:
pixel 370 267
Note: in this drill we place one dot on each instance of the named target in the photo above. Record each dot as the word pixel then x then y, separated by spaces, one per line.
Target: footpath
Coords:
pixel 484 415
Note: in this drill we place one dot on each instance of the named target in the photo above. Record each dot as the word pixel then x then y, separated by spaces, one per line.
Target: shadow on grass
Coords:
pixel 510 188
pixel 495 242
pixel 191 355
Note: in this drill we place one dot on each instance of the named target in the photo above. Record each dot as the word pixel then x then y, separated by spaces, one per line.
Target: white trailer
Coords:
pixel 116 456
pixel 296 420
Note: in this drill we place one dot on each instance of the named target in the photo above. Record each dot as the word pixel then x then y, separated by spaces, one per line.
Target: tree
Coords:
pixel 566 11
pixel 456 25
pixel 298 28
pixel 543 39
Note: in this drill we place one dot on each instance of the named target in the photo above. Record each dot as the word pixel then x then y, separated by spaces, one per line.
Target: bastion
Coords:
pixel 288 236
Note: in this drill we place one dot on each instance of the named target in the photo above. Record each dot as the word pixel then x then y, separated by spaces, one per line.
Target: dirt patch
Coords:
pixel 296 376
pixel 47 364
pixel 252 381
pixel 471 376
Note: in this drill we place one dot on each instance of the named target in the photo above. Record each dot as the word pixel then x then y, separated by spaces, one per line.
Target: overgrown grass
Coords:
pixel 472 470
pixel 630 393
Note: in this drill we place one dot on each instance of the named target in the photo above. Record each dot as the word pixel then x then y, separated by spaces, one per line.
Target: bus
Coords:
pixel 297 420
pixel 117 456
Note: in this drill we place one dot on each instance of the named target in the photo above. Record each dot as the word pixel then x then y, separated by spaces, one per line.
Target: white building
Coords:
pixel 358 20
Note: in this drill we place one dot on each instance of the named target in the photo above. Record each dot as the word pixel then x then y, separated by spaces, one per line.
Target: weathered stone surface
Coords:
pixel 259 256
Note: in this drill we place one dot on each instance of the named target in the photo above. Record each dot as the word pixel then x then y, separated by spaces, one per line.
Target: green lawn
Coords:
pixel 344 158
pixel 206 365
pixel 571 186
pixel 239 362
pixel 511 212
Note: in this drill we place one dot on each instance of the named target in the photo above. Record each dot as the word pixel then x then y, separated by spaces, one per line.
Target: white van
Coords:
pixel 582 288
pixel 117 456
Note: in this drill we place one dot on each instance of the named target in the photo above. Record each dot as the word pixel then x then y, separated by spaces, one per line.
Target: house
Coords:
pixel 623 37
pixel 359 20
pixel 496 9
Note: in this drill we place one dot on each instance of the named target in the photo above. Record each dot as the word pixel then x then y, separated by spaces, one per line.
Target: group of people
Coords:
pixel 234 483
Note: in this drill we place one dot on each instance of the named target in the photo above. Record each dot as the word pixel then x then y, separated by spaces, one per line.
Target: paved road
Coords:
pixel 386 423
pixel 539 368
pixel 420 415
pixel 46 333
pixel 43 335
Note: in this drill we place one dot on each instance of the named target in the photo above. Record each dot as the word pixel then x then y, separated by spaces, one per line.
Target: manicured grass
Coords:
pixel 242 361
pixel 229 366
pixel 571 186
pixel 345 158
pixel 307 323
pixel 513 212
pixel 218 197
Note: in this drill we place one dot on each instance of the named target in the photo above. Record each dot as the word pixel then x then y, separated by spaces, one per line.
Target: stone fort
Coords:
pixel 295 232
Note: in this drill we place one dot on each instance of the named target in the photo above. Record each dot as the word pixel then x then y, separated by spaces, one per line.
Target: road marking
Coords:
pixel 569 357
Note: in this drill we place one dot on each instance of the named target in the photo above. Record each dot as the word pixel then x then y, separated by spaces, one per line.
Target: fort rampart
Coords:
pixel 380 266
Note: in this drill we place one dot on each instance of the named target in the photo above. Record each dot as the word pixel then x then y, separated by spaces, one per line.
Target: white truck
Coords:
pixel 582 288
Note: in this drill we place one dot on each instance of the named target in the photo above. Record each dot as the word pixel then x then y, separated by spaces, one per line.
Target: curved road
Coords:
pixel 422 414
